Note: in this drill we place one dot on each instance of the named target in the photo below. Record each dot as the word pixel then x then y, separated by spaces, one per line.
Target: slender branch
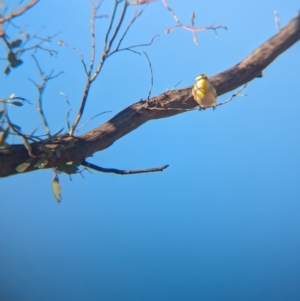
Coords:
pixel 84 123
pixel 41 88
pixel 117 28
pixel 19 12
pixel 123 172
pixel 110 24
pixel 192 28
pixel 62 43
pixel 69 109
pixel 151 74
pixel 135 16
pixel 92 28
pixel 105 54
pixel 88 72
pixel 17 131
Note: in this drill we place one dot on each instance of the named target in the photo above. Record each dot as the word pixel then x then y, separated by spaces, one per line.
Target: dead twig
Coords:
pixel 19 12
pixel 84 123
pixel 110 38
pixel 41 88
pixel 122 172
pixel 69 109
pixel 151 78
pixel 192 28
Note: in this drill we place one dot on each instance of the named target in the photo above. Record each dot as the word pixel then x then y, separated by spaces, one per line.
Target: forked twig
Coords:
pixel 62 43
pixel 41 88
pixel 109 39
pixel 192 28
pixel 69 108
pixel 19 12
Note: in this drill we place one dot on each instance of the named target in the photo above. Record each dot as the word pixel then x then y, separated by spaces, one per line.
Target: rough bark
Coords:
pixel 160 106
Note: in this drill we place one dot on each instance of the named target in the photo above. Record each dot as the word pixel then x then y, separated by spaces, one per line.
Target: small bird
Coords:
pixel 204 92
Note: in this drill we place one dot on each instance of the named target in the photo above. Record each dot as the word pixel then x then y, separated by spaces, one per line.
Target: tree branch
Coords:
pixel 137 114
pixel 122 172
pixel 19 12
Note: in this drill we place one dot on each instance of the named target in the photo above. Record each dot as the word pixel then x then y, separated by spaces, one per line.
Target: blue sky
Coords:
pixel 221 223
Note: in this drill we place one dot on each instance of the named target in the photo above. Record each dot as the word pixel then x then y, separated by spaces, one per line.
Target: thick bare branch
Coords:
pixel 137 114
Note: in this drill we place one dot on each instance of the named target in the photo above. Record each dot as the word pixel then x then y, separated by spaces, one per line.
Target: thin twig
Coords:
pixel 111 23
pixel 92 28
pixel 151 73
pixel 88 72
pixel 122 172
pixel 108 41
pixel 60 43
pixel 14 127
pixel 69 109
pixel 135 16
pixel 41 88
pixel 117 28
pixel 237 93
pixel 84 123
pixel 129 48
pixel 277 20
pixel 192 28
pixel 19 12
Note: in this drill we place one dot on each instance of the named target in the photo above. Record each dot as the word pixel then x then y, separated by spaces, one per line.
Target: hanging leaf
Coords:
pixel 56 189
pixel 22 167
pixel 195 40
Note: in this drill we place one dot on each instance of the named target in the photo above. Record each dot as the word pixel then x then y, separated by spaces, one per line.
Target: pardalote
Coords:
pixel 204 92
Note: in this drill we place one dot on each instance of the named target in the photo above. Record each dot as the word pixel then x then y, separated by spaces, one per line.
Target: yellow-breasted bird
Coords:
pixel 204 92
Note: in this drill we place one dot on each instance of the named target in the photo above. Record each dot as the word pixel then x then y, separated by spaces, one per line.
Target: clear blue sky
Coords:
pixel 221 223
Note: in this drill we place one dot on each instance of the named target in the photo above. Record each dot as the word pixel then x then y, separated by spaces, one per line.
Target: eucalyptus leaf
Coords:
pixel 15 43
pixel 22 167
pixel 16 103
pixel 56 189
